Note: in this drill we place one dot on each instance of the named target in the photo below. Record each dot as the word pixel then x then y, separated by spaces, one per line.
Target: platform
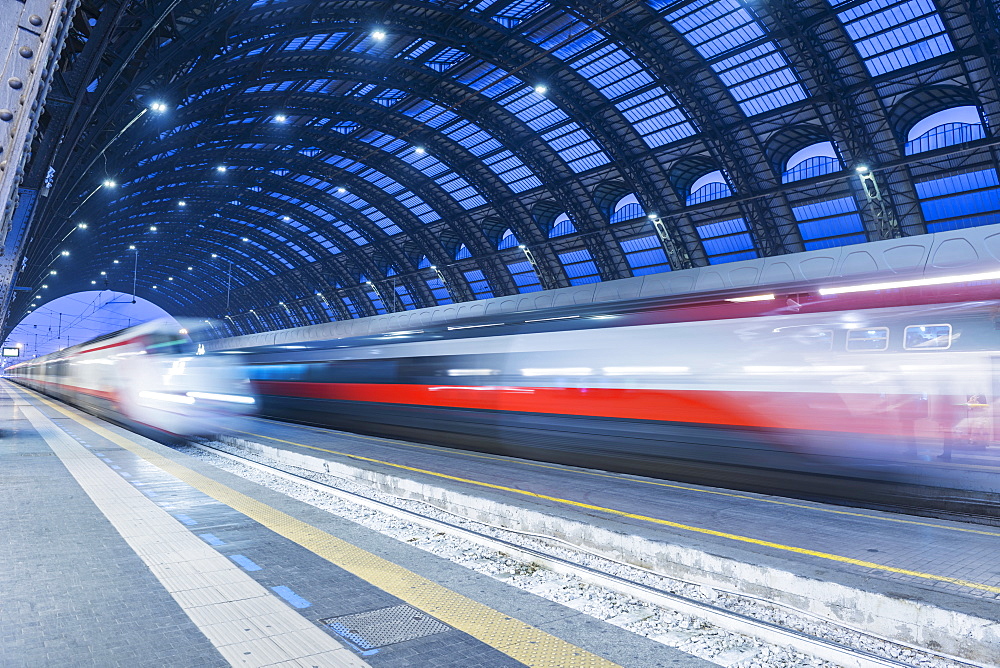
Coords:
pixel 119 551
pixel 927 582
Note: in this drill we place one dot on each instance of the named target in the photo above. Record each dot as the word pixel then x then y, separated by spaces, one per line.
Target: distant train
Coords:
pixel 152 377
pixel 870 382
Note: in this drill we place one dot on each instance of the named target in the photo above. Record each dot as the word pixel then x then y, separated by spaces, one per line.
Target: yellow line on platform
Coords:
pixel 516 639
pixel 655 520
pixel 629 478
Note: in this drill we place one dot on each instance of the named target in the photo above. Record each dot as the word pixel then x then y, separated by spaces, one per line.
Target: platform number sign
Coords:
pixel 11 352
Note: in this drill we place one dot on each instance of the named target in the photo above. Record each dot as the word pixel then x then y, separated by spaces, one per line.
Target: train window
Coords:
pixel 874 338
pixel 927 337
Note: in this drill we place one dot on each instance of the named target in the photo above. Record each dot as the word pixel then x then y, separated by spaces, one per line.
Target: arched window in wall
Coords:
pixel 811 161
pixel 507 240
pixel 561 226
pixel 955 201
pixel 708 187
pixel 463 253
pixel 944 128
pixel 627 208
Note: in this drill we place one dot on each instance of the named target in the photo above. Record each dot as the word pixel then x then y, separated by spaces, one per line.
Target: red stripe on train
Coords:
pixel 768 410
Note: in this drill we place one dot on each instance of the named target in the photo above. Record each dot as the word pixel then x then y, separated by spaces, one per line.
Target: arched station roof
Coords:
pixel 287 162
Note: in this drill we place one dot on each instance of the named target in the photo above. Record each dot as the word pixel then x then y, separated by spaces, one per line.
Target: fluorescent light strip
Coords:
pixel 489 324
pixel 753 298
pixel 914 283
pixel 230 398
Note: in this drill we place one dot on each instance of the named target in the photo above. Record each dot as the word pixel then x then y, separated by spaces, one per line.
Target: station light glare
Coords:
pixel 434 267
pixel 81 226
pixel 170 278
pixel 280 118
pixel 420 150
pixel 286 218
pixel 152 228
pixel 541 89
pixel 861 169
pixel 221 169
pixel 115 262
pixel 131 247
pixel 104 273
pixel 181 202
pixel 109 183
pixel 914 283
pixel 653 216
pixel 190 268
pixel 378 35
pixel 245 239
pixel 52 273
pixel 342 190
pixel 158 107
pixel 214 255
pixel 93 282
pixel 44 285
pixel 64 253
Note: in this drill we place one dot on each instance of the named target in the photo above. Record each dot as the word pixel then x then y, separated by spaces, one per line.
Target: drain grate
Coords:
pixel 385 626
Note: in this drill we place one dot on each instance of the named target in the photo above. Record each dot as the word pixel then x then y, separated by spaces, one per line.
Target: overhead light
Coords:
pixel 109 183
pixel 861 169
pixel 152 228
pixel 214 255
pixel 541 90
pixel 44 285
pixel 52 273
pixel 170 278
pixel 342 190
pixel 378 35
pixel 181 203
pixel 104 273
pixel 158 107
pixel 190 268
pixel 81 226
pixel 280 118
pixel 653 216
pixel 420 150
pixel 245 239
pixel 221 168
pixel 131 247
pixel 93 282
pixel 286 218
pixel 116 262
pixel 64 253
pixel 752 298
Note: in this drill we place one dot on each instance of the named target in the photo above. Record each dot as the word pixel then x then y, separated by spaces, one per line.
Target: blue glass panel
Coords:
pixel 645 255
pixel 630 211
pixel 439 291
pixel 405 298
pixel 579 267
pixel 524 277
pixel 890 34
pixel 478 283
pixel 830 207
pixel 961 182
pixel 462 253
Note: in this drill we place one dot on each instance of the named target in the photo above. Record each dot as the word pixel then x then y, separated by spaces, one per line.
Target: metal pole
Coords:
pixel 229 283
pixel 135 273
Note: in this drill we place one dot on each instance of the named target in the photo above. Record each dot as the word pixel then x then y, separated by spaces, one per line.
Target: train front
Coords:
pixel 171 385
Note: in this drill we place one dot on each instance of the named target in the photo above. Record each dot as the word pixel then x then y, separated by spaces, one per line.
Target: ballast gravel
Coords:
pixel 688 634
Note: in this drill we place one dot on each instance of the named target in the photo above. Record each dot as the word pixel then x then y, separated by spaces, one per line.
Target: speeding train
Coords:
pixel 867 379
pixel 152 377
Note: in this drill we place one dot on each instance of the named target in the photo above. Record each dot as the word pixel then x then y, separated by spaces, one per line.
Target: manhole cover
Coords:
pixel 385 626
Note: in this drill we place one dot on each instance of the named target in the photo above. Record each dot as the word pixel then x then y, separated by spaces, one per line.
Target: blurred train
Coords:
pixel 152 377
pixel 733 389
